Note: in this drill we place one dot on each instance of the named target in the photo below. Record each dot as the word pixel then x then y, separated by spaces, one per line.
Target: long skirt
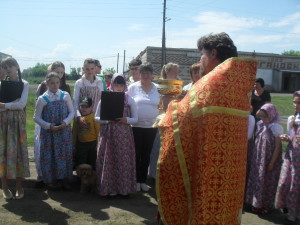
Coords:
pixel 56 154
pixel 13 145
pixel 115 164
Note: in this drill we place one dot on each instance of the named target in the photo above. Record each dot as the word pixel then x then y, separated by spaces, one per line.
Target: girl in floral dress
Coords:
pixel 54 113
pixel 289 183
pixel 59 68
pixel 115 166
pixel 265 162
pixel 14 162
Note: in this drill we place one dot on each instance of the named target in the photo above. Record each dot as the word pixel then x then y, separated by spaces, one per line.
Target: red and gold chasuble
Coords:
pixel 202 163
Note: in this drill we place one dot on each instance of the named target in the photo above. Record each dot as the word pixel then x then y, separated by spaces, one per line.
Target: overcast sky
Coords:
pixel 42 31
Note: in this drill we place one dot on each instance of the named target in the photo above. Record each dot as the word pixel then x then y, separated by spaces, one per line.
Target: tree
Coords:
pixel 39 70
pixel 25 73
pixel 74 73
pixel 291 52
pixel 109 70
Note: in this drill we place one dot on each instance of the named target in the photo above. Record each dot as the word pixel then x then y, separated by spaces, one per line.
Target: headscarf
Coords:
pixel 272 112
pixel 113 80
pixel 296 94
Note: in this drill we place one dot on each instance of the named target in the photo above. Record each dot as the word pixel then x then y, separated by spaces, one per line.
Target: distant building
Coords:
pixel 3 55
pixel 184 57
pixel 281 73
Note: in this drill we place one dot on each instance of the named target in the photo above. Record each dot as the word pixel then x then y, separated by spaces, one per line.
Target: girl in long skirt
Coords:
pixel 289 182
pixel 54 112
pixel 265 162
pixel 115 164
pixel 14 162
pixel 59 68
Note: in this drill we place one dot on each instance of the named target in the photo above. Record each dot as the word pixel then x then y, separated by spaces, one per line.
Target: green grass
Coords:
pixel 284 105
pixel 29 118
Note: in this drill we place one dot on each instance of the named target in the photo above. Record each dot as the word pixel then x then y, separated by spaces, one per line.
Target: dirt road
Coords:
pixel 41 206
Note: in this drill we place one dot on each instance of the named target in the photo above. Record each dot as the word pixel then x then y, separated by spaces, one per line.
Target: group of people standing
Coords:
pixel 267 173
pixel 69 131
pixel 202 138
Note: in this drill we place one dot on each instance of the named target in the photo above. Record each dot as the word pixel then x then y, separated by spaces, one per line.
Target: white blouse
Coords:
pixel 83 82
pixel 276 129
pixel 297 121
pixel 21 103
pixel 251 126
pixel 187 87
pixel 133 111
pixel 147 104
pixel 41 103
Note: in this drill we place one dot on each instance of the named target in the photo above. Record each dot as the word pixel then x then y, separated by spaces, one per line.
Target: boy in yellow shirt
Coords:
pixel 85 137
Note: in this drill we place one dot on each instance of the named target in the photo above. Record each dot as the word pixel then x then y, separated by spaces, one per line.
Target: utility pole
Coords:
pixel 124 61
pixel 118 63
pixel 163 47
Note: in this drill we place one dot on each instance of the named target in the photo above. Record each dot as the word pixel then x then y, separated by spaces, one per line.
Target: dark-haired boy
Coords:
pixel 85 137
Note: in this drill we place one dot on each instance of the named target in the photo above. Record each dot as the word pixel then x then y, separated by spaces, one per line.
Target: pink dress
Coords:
pixel 289 182
pixel 262 184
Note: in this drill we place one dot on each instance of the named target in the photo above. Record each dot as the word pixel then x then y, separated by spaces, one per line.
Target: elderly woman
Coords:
pixel 260 96
pixel 146 96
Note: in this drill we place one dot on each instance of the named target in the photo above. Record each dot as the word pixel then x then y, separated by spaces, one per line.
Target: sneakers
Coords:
pixel 138 187
pixel 141 186
pixel 7 195
pixel 20 194
pixel 144 187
